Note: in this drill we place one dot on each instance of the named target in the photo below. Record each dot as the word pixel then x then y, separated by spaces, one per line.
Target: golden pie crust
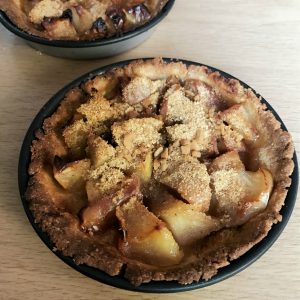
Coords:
pixel 143 96
pixel 80 19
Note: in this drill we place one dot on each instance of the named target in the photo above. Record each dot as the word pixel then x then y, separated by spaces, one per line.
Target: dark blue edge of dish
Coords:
pixel 233 268
pixel 8 24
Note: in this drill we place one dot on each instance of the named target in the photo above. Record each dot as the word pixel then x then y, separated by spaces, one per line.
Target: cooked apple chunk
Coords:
pixel 100 212
pixel 242 118
pixel 200 91
pixel 59 28
pixel 71 175
pixel 191 180
pixel 229 139
pixel 97 110
pixel 144 169
pixel 241 194
pixel 146 238
pixel 46 8
pixel 105 86
pixel 227 161
pixel 110 180
pixel 82 19
pixel 75 136
pixel 134 133
pixel 185 221
pixel 67 200
pixel 99 150
pixel 140 88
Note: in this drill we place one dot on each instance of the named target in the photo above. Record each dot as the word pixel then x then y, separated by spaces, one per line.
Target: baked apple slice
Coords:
pixel 46 8
pixel 110 180
pixel 191 180
pixel 146 238
pixel 140 88
pixel 100 212
pixel 71 176
pixel 185 221
pixel 59 28
pixel 61 198
pixel 242 117
pixel 144 169
pixel 227 161
pixel 99 150
pixel 241 194
pixel 106 86
pixel 136 14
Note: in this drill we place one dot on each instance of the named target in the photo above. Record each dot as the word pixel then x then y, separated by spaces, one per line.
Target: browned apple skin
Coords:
pixel 146 238
pixel 100 212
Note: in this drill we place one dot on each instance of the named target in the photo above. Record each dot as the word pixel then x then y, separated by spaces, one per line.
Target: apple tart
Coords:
pixel 159 171
pixel 80 19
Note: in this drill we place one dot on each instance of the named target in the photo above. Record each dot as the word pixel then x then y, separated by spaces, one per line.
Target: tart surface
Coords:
pixel 165 171
pixel 80 19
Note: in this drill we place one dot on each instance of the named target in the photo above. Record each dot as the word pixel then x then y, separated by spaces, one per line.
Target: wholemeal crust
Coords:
pixel 18 10
pixel 210 254
pixel 14 12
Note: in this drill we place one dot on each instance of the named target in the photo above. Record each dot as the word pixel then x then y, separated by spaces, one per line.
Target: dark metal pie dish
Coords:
pixel 119 281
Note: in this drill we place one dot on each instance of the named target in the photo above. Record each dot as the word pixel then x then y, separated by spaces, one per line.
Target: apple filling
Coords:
pixel 152 166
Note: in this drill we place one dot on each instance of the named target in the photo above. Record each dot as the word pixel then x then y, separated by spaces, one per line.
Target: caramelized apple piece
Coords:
pixel 71 175
pixel 75 137
pixel 105 86
pixel 201 92
pixel 140 88
pixel 46 8
pixel 144 169
pixel 116 18
pixel 59 28
pixel 185 221
pixel 227 161
pixel 135 133
pixel 110 180
pixel 136 14
pixel 242 118
pixel 82 19
pixel 100 212
pixel 146 238
pixel 241 194
pixel 99 150
pixel 230 140
pixel 191 180
pixel 99 28
pixel 70 201
pixel 97 110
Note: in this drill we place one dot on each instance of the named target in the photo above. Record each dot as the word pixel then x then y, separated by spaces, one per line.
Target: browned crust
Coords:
pixel 214 252
pixel 15 11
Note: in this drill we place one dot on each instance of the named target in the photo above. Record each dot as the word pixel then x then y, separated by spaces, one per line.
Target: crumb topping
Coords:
pixel 156 164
